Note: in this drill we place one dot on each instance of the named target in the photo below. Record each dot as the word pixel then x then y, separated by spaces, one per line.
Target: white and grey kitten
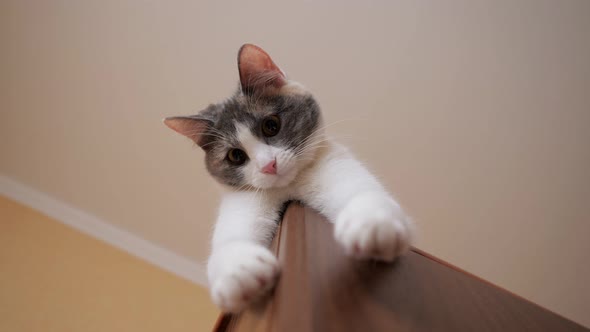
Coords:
pixel 267 145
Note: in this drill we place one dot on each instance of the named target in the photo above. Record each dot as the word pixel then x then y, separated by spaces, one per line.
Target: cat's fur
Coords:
pixel 309 167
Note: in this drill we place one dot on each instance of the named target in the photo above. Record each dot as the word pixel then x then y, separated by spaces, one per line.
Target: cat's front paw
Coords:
pixel 373 226
pixel 240 273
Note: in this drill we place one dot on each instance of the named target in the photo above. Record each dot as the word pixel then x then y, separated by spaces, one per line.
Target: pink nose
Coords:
pixel 270 168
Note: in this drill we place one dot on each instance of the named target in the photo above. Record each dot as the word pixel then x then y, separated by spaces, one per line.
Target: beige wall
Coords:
pixel 53 278
pixel 475 113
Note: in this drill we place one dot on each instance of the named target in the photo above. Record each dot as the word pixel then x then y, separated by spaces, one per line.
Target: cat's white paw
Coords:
pixel 372 225
pixel 240 273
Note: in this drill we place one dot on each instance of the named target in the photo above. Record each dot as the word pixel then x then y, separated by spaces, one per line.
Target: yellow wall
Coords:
pixel 53 278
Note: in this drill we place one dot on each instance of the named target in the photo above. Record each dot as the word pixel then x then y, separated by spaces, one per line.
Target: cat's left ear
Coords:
pixel 258 73
pixel 193 127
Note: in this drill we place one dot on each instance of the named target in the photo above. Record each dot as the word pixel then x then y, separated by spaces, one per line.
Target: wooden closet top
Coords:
pixel 320 289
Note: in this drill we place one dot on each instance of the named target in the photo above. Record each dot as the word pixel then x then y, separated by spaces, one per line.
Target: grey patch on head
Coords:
pixel 299 115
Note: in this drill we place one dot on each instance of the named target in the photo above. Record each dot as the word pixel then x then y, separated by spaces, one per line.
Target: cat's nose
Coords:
pixel 270 168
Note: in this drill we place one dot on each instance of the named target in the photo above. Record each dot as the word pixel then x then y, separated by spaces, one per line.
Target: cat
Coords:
pixel 267 145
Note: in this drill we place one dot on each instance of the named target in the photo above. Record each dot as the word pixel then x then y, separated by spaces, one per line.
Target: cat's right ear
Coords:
pixel 258 73
pixel 192 127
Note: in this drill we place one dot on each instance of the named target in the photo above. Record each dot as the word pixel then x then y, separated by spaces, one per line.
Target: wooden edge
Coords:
pixel 460 270
pixel 224 319
pixel 276 241
pixel 222 322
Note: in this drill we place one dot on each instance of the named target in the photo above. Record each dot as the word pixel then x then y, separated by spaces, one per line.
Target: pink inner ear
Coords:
pixel 191 128
pixel 257 70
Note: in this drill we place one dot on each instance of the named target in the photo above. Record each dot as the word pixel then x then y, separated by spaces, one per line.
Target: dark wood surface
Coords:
pixel 321 289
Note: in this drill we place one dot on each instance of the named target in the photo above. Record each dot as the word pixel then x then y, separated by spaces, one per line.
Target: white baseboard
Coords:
pixel 102 230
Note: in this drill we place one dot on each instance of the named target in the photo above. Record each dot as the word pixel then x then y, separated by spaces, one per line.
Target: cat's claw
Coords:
pixel 373 226
pixel 240 274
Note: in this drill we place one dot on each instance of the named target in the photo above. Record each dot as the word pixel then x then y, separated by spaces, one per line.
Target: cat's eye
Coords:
pixel 271 126
pixel 237 157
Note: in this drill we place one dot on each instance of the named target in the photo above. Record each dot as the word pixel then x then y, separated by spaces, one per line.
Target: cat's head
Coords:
pixel 264 135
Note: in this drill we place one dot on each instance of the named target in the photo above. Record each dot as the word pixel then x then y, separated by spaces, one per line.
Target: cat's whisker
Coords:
pixel 305 140
pixel 258 195
pixel 339 121
pixel 303 152
pixel 324 126
pixel 207 144
pixel 242 187
pixel 320 129
pixel 202 133
pixel 311 148
pixel 311 144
